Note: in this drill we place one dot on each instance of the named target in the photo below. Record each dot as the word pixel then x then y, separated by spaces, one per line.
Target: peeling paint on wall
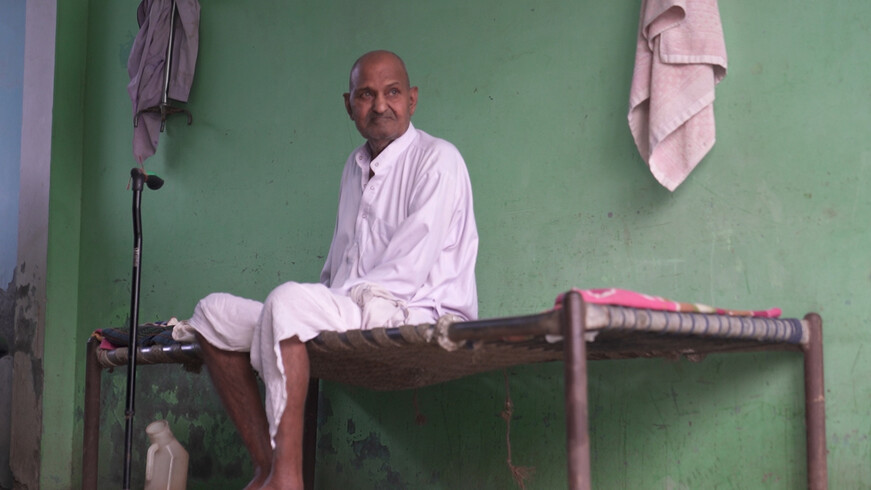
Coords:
pixel 29 376
pixel 7 318
pixel 189 404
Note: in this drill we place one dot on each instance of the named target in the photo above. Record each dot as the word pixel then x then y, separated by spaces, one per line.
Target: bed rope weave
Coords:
pixel 412 356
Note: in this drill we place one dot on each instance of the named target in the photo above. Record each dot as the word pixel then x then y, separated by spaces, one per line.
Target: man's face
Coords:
pixel 380 100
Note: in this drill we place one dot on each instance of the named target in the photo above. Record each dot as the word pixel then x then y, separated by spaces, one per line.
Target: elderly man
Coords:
pixel 403 252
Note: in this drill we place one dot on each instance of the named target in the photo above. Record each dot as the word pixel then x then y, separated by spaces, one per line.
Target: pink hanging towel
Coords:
pixel 679 59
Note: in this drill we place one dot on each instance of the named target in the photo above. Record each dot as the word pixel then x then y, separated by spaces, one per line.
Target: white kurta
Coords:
pixel 411 228
pixel 403 251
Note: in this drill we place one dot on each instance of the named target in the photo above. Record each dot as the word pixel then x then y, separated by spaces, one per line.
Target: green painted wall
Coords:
pixel 534 94
pixel 60 438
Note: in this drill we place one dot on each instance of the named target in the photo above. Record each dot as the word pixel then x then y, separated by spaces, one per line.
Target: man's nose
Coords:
pixel 380 104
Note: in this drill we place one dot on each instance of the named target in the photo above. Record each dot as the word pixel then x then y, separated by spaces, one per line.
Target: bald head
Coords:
pixel 380 99
pixel 375 57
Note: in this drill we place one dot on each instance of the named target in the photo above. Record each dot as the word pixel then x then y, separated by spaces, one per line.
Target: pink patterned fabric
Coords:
pixel 679 59
pixel 622 297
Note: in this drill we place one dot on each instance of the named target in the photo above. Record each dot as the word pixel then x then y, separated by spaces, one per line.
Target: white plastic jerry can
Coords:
pixel 166 467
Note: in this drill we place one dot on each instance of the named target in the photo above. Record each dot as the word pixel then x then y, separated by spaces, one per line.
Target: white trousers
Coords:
pixel 292 309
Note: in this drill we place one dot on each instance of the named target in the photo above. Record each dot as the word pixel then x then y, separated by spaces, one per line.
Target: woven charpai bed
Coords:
pixel 421 355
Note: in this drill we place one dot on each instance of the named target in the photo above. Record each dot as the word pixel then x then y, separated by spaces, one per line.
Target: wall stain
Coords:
pixel 325 444
pixel 393 481
pixel 27 383
pixel 200 464
pixel 191 406
pixel 369 448
pixel 7 318
pixel 23 290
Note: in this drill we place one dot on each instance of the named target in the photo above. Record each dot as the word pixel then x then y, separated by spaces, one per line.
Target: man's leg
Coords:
pixel 234 380
pixel 291 312
pixel 287 459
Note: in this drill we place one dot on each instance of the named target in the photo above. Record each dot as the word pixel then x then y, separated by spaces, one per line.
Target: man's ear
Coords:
pixel 413 102
pixel 348 105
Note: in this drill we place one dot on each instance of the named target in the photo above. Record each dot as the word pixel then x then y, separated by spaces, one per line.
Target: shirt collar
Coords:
pixel 385 160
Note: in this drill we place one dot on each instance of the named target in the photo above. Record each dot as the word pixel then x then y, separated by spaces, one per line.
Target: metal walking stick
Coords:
pixel 138 178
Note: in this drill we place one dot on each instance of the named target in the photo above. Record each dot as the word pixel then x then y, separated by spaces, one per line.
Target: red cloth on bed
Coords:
pixel 632 299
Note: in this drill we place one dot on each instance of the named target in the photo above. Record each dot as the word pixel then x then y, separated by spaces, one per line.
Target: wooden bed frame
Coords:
pixel 421 355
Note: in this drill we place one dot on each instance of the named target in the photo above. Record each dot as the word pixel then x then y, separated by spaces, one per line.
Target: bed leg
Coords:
pixel 310 434
pixel 577 430
pixel 815 405
pixel 91 430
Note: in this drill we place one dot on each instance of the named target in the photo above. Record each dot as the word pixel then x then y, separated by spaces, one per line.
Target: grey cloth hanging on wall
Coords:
pixel 147 62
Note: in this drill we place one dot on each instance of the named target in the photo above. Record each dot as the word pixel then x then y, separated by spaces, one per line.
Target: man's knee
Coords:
pixel 227 321
pixel 289 292
pixel 212 302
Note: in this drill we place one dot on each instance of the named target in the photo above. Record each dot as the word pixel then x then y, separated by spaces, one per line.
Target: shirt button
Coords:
pixel 376 164
pixel 371 187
